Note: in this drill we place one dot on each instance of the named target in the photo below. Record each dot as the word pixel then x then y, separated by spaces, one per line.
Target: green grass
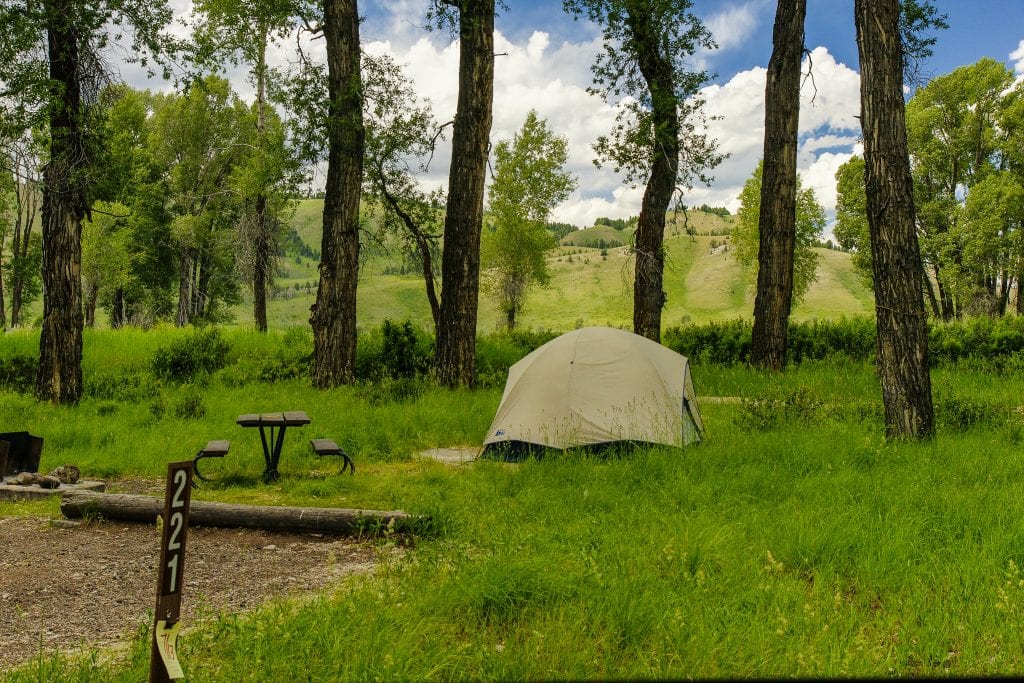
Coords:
pixel 793 542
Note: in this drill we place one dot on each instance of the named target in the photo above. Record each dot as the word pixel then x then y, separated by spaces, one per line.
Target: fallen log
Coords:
pixel 134 508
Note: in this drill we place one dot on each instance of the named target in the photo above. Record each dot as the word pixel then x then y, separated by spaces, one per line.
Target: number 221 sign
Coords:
pixel 164 665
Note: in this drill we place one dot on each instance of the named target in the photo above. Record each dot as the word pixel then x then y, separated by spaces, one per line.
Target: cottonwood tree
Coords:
pixel 51 66
pixel 231 31
pixel 747 239
pixel 659 134
pixel 130 174
pixel 455 355
pixel 401 133
pixel 400 136
pixel 333 315
pixel 23 161
pixel 851 228
pixel 778 201
pixel 956 134
pixel 108 262
pixel 899 303
pixel 199 139
pixel 528 183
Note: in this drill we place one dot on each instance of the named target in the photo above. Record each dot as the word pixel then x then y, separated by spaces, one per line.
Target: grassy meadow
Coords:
pixel 792 542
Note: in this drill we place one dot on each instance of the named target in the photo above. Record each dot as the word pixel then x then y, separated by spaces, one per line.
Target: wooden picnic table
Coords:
pixel 277 424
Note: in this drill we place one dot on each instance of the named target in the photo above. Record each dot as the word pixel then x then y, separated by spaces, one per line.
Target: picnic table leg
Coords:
pixel 269 470
pixel 275 454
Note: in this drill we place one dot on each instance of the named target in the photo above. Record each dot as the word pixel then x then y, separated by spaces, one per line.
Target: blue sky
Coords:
pixel 547 68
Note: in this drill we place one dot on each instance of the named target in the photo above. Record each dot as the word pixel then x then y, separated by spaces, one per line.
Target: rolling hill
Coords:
pixel 702 280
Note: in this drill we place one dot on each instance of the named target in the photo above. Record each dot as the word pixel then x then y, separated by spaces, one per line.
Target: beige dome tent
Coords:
pixel 595 386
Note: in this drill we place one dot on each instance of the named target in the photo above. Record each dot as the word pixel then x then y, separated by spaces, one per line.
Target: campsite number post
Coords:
pixel 163 662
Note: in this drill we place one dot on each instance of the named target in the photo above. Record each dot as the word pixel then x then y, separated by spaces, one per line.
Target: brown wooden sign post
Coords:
pixel 163 663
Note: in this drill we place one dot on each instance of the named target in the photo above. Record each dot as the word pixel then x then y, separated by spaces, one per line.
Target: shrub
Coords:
pixel 496 353
pixel 965 413
pixel 120 385
pixel 394 351
pixel 18 372
pixel 190 404
pixel 201 351
pixel 761 414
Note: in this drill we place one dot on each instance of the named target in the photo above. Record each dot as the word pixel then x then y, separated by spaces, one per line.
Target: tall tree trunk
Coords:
pixel 184 287
pixel 27 200
pixel 657 70
pixel 117 315
pixel 455 357
pixel 92 293
pixel 334 314
pixel 202 272
pixel 777 219
pixel 64 206
pixel 930 293
pixel 3 308
pixel 899 301
pixel 262 265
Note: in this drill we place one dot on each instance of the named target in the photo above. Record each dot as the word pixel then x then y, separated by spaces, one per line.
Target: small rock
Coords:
pixel 67 474
pixel 270 547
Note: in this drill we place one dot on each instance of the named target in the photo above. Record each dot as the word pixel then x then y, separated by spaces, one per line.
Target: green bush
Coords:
pixel 496 353
pixel 394 351
pixel 718 343
pixel 967 413
pixel 799 404
pixel 120 385
pixel 190 405
pixel 18 372
pixel 199 352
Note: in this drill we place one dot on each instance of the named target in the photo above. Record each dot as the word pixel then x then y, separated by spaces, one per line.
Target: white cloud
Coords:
pixel 734 26
pixel 1018 57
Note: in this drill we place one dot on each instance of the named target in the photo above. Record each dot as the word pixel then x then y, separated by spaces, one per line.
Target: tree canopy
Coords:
pixel 810 221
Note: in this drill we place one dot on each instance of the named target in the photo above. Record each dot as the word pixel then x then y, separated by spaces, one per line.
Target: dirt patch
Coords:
pixel 66 585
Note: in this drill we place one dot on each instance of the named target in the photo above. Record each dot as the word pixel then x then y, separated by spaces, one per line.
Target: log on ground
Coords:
pixel 135 508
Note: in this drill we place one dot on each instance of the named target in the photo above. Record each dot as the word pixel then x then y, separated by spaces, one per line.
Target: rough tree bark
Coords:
pixel 899 299
pixel 333 316
pixel 777 220
pixel 262 252
pixel 64 206
pixel 658 72
pixel 455 357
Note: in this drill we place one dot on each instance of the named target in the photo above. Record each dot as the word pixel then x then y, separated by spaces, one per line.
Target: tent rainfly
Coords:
pixel 596 386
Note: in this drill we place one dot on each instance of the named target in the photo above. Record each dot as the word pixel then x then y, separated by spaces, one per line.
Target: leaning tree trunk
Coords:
pixel 777 219
pixel 899 300
pixel 64 206
pixel 658 73
pixel 455 357
pixel 334 314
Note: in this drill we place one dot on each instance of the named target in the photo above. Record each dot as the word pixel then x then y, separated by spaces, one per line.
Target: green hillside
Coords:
pixel 702 280
pixel 599 235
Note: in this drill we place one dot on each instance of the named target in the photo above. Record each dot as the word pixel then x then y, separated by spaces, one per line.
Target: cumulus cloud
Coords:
pixel 1018 58
pixel 733 26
